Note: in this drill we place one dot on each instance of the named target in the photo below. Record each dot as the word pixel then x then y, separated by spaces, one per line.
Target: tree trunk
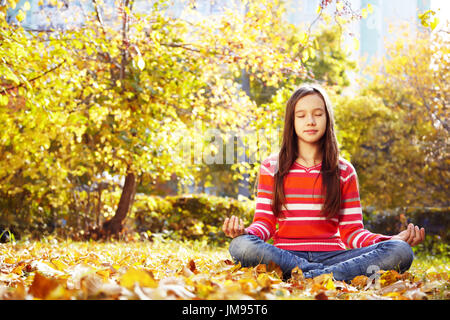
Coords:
pixel 114 226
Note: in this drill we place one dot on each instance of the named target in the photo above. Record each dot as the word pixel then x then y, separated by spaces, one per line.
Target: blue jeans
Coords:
pixel 397 255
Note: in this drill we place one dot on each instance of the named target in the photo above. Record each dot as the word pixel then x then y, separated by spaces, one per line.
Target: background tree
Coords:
pixel 84 104
pixel 397 130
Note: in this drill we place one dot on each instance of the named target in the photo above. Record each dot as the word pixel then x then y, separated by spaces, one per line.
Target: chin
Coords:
pixel 310 141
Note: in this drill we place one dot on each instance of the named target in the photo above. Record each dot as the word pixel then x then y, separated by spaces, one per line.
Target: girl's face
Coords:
pixel 310 118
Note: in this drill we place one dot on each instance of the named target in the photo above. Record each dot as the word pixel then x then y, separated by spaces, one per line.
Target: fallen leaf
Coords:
pixel 297 274
pixel 91 285
pixel 359 281
pixel 140 276
pixel 415 294
pixel 261 268
pixel 44 268
pixel 174 287
pixel 321 296
pixel 273 267
pixel 325 281
pixel 192 266
pixel 228 262
pixel 399 286
pixel 43 286
pixel 388 277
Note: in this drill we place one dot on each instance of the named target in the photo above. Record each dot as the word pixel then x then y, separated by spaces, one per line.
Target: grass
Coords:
pixel 164 269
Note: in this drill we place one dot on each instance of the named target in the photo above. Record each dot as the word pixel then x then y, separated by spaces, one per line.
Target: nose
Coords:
pixel 311 120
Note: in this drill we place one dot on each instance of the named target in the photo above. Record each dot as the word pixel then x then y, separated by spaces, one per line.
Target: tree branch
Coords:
pixel 3 91
pixel 124 38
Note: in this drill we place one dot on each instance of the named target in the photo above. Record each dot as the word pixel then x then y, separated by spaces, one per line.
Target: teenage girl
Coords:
pixel 312 194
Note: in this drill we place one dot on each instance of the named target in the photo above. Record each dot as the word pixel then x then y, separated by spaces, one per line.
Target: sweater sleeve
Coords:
pixel 351 226
pixel 264 221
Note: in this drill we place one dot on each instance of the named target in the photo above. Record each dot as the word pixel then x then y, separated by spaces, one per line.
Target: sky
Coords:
pixel 444 6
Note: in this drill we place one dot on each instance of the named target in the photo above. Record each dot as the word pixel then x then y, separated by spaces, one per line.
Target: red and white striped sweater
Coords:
pixel 303 228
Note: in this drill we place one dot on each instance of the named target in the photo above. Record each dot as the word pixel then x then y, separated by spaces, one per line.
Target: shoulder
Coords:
pixel 346 169
pixel 270 164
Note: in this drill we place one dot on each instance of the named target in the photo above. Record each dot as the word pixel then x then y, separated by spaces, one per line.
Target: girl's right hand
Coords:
pixel 233 227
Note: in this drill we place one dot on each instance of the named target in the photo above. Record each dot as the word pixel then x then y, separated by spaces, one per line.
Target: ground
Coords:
pixel 163 269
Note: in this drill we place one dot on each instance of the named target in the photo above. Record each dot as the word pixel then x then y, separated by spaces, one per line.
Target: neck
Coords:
pixel 309 153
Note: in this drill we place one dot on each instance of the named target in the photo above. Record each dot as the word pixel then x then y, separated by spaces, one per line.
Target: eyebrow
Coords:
pixel 318 108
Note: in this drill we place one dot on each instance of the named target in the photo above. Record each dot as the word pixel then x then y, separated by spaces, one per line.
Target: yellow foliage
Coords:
pixel 159 270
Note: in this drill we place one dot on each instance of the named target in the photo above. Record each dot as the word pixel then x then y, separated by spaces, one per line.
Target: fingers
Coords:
pixel 416 239
pixel 233 227
pixel 419 236
pixel 422 233
pixel 414 235
pixel 241 227
pixel 409 233
pixel 225 226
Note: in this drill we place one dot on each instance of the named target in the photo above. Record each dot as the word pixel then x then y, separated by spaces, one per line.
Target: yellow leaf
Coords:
pixel 140 276
pixel 264 280
pixel 389 277
pixel 60 265
pixel 9 260
pixel 434 23
pixel 319 8
pixel 325 280
pixel 26 6
pixel 355 44
pixel 359 281
pixel 42 286
pixel 330 284
pixel 364 13
pixel 141 63
pixel 18 269
pixel 20 16
pixel 104 274
pixel 393 295
pixel 3 100
pixel 305 56
pixel 297 274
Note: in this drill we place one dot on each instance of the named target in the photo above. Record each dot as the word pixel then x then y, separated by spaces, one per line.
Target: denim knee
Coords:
pixel 402 252
pixel 240 245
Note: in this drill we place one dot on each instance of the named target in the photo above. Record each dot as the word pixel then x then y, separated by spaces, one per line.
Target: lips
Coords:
pixel 311 131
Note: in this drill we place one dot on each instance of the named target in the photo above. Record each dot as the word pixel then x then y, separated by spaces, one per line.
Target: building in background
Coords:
pixel 371 33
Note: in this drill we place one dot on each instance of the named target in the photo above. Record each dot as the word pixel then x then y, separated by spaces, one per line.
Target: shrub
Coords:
pixel 436 222
pixel 199 216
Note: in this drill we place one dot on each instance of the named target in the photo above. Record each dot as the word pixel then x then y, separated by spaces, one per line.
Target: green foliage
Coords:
pixel 382 146
pixel 328 61
pixel 394 131
pixel 436 222
pixel 188 217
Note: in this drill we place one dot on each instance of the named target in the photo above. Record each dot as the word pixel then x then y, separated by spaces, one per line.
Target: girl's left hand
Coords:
pixel 233 227
pixel 412 235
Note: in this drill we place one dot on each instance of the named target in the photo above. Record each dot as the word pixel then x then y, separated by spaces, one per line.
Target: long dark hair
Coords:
pixel 289 153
